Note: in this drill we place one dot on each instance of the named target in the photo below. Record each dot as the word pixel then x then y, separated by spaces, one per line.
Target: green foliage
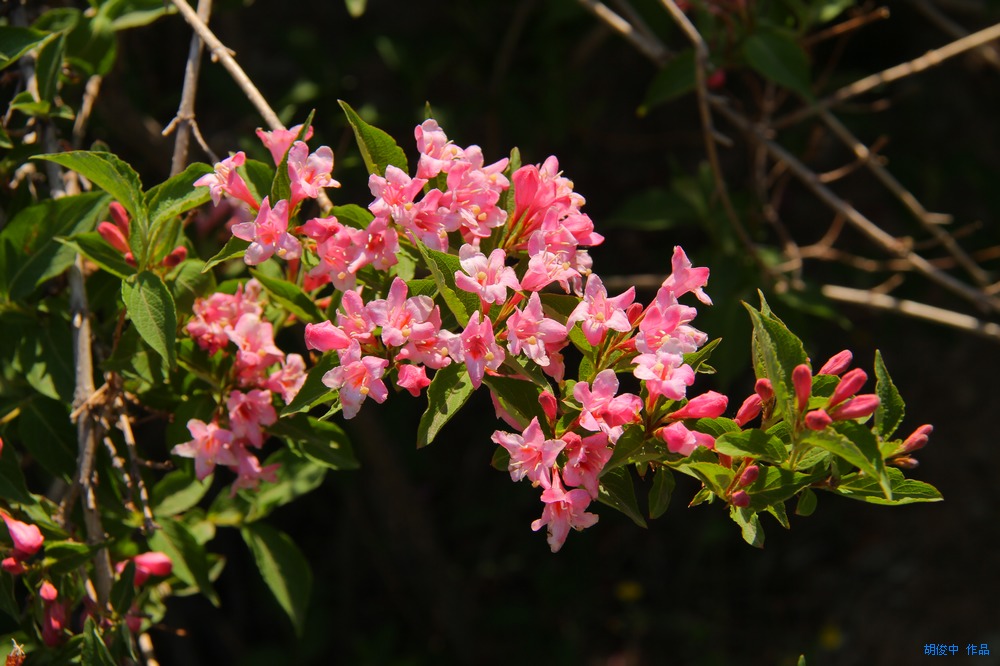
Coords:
pixel 378 149
pixel 151 308
pixel 448 391
pixel 283 567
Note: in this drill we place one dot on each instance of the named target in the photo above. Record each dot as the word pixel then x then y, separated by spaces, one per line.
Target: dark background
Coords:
pixel 427 557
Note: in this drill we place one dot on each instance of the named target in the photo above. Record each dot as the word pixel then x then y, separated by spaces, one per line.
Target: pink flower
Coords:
pixel 740 499
pixel 818 419
pixel 917 439
pixel 849 385
pixel 309 173
pixel 403 318
pixel 268 234
pixel 749 475
pixel 325 337
pixel 48 592
pixel 279 141
pixel 377 244
pixel 663 374
pixel 249 473
pixel 680 439
pixel 707 405
pixel 289 379
pixel 488 278
pixel 437 153
pixel 413 378
pixel 113 236
pixel 597 313
pixel 802 381
pixel 529 331
pixel 357 378
pixel 586 458
pixel 546 267
pixel 394 194
pixel 255 341
pixel 861 406
pixel 477 348
pixel 211 445
pixel 749 410
pixel 764 389
pixel 249 413
pixel 27 538
pixel 604 411
pixel 684 278
pixel 226 180
pixel 151 564
pixel 563 510
pixel 531 455
pixel 354 318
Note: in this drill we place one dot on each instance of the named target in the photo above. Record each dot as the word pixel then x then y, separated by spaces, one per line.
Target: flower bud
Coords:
pixel 837 363
pixel 48 592
pixel 764 389
pixel 848 386
pixel 633 311
pixel 740 499
pixel 748 410
pixel 151 564
pixel 176 256
pixel 904 462
pixel 325 336
pixel 818 419
pixel 119 216
pixel 716 79
pixel 856 408
pixel 802 380
pixel 749 475
pixel 707 405
pixel 27 538
pixel 917 440
pixel 549 405
pixel 113 236
pixel 12 566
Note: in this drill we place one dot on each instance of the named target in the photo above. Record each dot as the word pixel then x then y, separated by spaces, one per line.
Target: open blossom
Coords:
pixel 357 378
pixel 249 472
pixel 377 244
pixel 477 348
pixel 489 278
pixel 279 141
pixel 403 318
pixel 226 180
pixel 531 455
pixel 254 340
pixel 394 194
pixel 211 446
pixel 684 278
pixel 413 378
pixel 598 314
pixel 563 510
pixel 309 173
pixel 289 379
pixel 602 409
pixel 268 234
pixel 249 413
pixel 528 330
pixel 664 374
pixel 586 458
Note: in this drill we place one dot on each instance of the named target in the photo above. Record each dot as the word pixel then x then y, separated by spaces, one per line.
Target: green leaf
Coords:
pixel 177 492
pixel 443 267
pixel 123 590
pixel 152 310
pixel 448 391
pixel 12 485
pixel 119 180
pixel 62 557
pixel 616 490
pixel 715 477
pixel 291 297
pixel 807 503
pixel 353 215
pixel 91 245
pixel 676 78
pixel 190 561
pixel 776 352
pixel 259 177
pixel 297 476
pixel 519 397
pixel 778 57
pixel 313 390
pixel 48 435
pixel 235 249
pixel 177 195
pixel 891 408
pixel 857 445
pixel 378 149
pixel 187 282
pixel 29 240
pixel 661 492
pixel 904 491
pixel 48 65
pixel 284 569
pixel 95 652
pixel 698 358
pixel 322 441
pixel 46 356
pixel 749 524
pixel 632 446
pixel 8 604
pixel 15 41
pixel 755 444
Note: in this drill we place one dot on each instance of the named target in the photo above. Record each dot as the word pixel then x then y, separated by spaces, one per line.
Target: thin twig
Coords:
pixel 844 27
pixel 125 425
pixel 90 92
pixel 913 309
pixel 852 215
pixel 185 112
pixel 987 53
pixel 651 48
pixel 915 66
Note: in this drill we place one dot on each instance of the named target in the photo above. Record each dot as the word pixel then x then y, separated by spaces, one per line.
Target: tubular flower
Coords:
pixel 268 234
pixel 563 510
pixel 486 277
pixel 597 313
pixel 357 378
pixel 531 455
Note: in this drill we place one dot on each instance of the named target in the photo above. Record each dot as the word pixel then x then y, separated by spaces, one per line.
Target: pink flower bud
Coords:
pixel 325 336
pixel 716 79
pixel 176 256
pixel 48 592
pixel 130 259
pixel 549 405
pixel 749 475
pixel 818 419
pixel 904 463
pixel 113 236
pixel 27 538
pixel 12 566
pixel 848 386
pixel 748 410
pixel 764 389
pixel 917 440
pixel 740 499
pixel 858 407
pixel 707 405
pixel 633 311
pixel 151 564
pixel 119 216
pixel 802 380
pixel 837 363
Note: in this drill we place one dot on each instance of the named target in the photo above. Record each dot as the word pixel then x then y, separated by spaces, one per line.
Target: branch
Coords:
pixel 988 54
pixel 913 309
pixel 915 66
pixel 184 120
pixel 647 45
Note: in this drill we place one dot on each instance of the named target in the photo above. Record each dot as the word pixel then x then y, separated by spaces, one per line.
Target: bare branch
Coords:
pixel 650 47
pixel 185 112
pixel 987 53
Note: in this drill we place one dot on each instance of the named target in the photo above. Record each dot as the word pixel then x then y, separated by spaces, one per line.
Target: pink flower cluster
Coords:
pixel 227 323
